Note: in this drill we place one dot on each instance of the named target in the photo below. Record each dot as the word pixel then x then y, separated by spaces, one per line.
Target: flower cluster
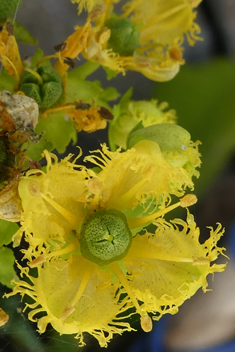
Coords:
pixel 99 248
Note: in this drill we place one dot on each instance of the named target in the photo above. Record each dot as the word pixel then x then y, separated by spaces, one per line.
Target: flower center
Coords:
pixel 105 237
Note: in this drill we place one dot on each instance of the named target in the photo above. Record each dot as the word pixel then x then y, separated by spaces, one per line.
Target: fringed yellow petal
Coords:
pixel 165 22
pixel 153 68
pixel 53 202
pixel 168 267
pixel 96 50
pixel 136 176
pixel 87 5
pixel 94 299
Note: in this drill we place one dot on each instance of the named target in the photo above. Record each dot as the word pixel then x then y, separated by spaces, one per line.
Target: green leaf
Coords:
pixel 81 90
pixel 203 96
pixel 110 73
pixel 34 151
pixel 59 132
pixel 22 35
pixel 7 271
pixel 83 71
pixel 7 230
pixel 7 82
pixel 108 94
pixel 38 55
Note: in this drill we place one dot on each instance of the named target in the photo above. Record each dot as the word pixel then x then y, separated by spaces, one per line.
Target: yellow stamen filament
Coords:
pixel 143 253
pixel 61 108
pixel 45 257
pixel 186 201
pixel 35 74
pixel 130 194
pixel 54 56
pixel 70 217
pixel 145 48
pixel 71 307
pixel 122 279
pixel 163 16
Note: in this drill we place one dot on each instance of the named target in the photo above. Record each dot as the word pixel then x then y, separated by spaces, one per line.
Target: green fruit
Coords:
pixel 32 90
pixel 105 237
pixel 44 86
pixel 50 93
pixel 124 37
pixel 48 74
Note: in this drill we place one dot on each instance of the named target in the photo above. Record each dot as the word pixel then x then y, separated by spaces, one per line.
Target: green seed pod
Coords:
pixel 124 37
pixel 48 74
pixel 168 136
pixel 32 90
pixel 105 237
pixel 28 77
pixel 50 93
pixel 42 84
pixel 7 7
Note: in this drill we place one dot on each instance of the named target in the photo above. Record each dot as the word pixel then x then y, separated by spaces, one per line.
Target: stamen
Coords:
pixel 122 278
pixel 146 254
pixel 61 108
pixel 184 202
pixel 70 217
pixel 45 257
pixel 54 56
pixel 129 194
pixel 146 323
pixel 71 307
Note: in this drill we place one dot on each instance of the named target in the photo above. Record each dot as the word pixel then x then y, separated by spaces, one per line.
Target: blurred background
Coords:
pixel 203 94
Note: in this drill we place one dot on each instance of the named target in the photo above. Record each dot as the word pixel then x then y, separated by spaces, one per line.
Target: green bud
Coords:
pixel 168 136
pixel 124 37
pixel 7 7
pixel 42 84
pixel 105 237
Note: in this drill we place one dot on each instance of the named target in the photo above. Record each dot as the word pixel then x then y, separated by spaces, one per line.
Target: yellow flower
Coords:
pixel 160 271
pixel 9 52
pixel 94 269
pixel 147 39
pixel 57 202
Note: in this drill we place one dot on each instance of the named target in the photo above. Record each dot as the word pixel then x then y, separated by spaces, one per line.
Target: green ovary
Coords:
pixel 105 237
